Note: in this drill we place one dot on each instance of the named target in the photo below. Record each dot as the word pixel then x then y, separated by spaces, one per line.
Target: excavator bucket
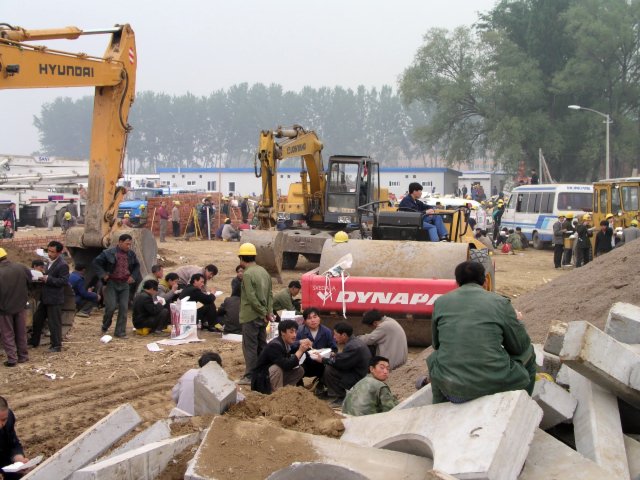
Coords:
pixel 269 244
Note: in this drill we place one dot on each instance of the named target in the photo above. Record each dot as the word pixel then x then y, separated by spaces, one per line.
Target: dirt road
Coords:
pixel 93 378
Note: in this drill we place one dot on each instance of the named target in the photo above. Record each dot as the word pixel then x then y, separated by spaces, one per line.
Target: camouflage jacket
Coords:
pixel 369 396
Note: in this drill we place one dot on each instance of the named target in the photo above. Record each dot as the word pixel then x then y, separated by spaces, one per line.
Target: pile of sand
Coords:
pixel 586 293
pixel 293 408
pixel 402 380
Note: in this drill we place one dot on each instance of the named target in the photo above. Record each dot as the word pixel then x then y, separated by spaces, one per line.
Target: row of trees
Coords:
pixel 498 90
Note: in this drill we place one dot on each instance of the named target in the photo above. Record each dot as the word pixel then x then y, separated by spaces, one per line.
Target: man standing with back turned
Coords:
pixel 481 347
pixel 256 307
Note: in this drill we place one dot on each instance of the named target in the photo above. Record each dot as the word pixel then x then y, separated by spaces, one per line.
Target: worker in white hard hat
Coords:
pixel 256 309
pixel 13 317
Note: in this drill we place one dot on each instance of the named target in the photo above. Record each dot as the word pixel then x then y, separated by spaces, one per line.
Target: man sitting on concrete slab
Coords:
pixel 481 347
pixel 182 393
pixel 277 366
pixel 10 447
pixel 371 395
pixel 344 369
pixel 149 314
pixel 320 337
pixel 387 336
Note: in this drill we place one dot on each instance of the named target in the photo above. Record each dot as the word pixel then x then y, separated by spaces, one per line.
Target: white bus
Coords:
pixel 535 208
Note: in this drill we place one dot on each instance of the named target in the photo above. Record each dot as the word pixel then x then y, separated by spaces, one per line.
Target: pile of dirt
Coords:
pixel 294 408
pixel 18 255
pixel 402 380
pixel 164 259
pixel 586 293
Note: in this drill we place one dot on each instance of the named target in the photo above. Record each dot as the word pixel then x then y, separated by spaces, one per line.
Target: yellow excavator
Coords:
pixel 24 65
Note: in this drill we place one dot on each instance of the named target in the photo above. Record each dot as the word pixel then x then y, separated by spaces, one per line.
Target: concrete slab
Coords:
pixel 143 463
pixel 419 398
pixel 161 430
pixel 489 438
pixel 632 447
pixel 551 364
pixel 88 446
pixel 556 403
pixel 315 457
pixel 596 426
pixel 555 337
pixel 623 323
pixel 603 360
pixel 438 475
pixel 213 392
pixel 176 413
pixel 551 459
pixel 538 350
pixel 562 378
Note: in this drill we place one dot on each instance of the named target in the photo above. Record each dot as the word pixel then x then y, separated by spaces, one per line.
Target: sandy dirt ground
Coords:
pixel 92 379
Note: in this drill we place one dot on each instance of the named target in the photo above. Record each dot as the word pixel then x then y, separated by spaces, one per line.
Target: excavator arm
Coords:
pixel 297 143
pixel 23 65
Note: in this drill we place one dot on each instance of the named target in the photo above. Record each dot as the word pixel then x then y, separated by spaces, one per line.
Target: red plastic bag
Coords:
pixel 506 248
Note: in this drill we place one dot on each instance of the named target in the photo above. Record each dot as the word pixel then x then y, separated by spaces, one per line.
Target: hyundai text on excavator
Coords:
pixel 393 267
pixel 23 65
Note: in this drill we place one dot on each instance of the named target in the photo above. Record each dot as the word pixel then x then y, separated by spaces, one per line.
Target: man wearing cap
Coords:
pixel 163 214
pixel 175 218
pixel 142 221
pixel 67 222
pixel 631 233
pixel 568 228
pixel 558 240
pixel 583 250
pixel 256 307
pixel 126 221
pixel 14 291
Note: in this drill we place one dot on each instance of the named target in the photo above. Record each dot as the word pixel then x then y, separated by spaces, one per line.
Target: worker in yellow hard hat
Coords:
pixel 67 222
pixel 341 237
pixel 256 311
pixel 3 253
pixel 584 254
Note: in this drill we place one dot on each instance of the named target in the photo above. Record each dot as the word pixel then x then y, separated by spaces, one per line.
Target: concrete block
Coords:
pixel 596 426
pixel 489 438
pixel 92 443
pixel 551 364
pixel 555 337
pixel 603 360
pixel 213 392
pixel 419 398
pixel 556 403
pixel 551 459
pixel 539 353
pixel 314 456
pixel 632 447
pixel 438 475
pixel 178 413
pixel 161 430
pixel 562 378
pixel 143 463
pixel 623 323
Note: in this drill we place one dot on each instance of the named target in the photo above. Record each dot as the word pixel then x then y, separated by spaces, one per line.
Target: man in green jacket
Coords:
pixel 284 299
pixel 256 307
pixel 481 347
pixel 371 394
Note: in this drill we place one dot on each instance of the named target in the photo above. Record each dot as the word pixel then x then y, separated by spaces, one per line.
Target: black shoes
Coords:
pixel 9 364
pixel 54 349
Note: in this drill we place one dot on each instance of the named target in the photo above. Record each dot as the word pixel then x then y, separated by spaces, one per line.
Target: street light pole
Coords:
pixel 608 120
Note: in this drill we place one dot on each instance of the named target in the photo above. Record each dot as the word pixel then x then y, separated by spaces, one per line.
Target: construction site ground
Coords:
pixel 91 378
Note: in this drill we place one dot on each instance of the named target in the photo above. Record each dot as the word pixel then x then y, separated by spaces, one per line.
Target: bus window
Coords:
pixel 603 205
pixel 521 204
pixel 615 199
pixel 534 203
pixel 630 198
pixel 574 201
pixel 546 206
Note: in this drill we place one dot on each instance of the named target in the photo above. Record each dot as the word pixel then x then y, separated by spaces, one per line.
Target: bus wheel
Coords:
pixel 537 243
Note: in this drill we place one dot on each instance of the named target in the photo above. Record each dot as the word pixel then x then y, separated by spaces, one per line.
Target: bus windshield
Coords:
pixel 143 193
pixel 575 201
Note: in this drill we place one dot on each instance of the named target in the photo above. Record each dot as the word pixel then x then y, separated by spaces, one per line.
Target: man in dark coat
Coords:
pixel 14 292
pixel 10 447
pixel 207 312
pixel 346 368
pixel 118 267
pixel 277 366
pixel 54 280
pixel 148 311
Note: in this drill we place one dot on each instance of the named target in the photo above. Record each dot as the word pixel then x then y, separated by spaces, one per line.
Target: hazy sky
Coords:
pixel 199 46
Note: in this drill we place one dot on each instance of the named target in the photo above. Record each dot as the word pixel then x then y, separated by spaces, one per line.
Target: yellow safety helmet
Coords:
pixel 609 215
pixel 586 217
pixel 67 215
pixel 126 215
pixel 142 207
pixel 562 215
pixel 634 223
pixel 3 253
pixel 468 197
pixel 247 250
pixel 341 237
pixel 176 202
pixel 569 215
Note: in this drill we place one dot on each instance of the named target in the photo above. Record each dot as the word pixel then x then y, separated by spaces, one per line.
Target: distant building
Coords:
pixel 488 180
pixel 243 181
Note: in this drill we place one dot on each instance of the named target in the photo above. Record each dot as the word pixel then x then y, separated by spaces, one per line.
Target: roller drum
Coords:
pixel 269 245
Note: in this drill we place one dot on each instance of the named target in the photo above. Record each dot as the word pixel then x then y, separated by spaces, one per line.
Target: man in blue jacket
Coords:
pixel 118 267
pixel 432 223
pixel 319 336
pixel 86 299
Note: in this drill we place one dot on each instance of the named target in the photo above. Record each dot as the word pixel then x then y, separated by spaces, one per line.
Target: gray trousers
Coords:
pixel 254 339
pixel 279 378
pixel 50 222
pixel 116 296
pixel 13 334
pixel 163 229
